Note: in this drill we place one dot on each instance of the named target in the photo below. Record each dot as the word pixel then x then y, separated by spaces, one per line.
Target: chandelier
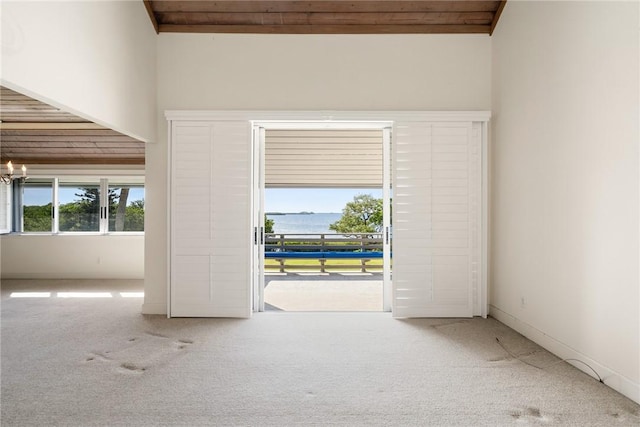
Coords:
pixel 9 177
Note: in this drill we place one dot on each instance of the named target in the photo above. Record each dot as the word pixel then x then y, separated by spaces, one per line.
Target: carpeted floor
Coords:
pixel 98 362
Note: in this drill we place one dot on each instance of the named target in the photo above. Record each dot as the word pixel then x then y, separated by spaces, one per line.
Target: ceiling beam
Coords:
pixel 328 29
pixel 74 160
pixel 324 6
pixel 326 18
pixel 50 126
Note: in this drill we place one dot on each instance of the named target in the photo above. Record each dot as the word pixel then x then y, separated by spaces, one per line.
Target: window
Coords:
pixel 37 206
pixel 126 207
pixel 80 205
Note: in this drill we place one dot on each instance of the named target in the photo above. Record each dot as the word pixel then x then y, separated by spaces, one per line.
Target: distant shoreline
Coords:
pixel 300 222
pixel 299 213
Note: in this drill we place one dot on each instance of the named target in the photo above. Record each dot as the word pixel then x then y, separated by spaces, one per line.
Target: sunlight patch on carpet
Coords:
pixel 84 295
pixel 30 295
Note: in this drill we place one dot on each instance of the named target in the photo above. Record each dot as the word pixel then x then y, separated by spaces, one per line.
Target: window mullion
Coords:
pixel 104 205
pixel 55 207
pixel 17 217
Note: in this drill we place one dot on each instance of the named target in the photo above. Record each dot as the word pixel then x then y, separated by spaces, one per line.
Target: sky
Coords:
pixel 285 200
pixel 318 200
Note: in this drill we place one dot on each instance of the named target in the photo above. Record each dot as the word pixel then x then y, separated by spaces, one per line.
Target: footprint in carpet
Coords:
pixel 132 368
pixel 529 414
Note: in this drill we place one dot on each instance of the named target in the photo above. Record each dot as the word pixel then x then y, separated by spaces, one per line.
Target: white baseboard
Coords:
pixel 611 378
pixel 154 308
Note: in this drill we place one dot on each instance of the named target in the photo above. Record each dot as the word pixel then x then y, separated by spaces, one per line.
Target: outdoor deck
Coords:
pixel 323 272
pixel 323 291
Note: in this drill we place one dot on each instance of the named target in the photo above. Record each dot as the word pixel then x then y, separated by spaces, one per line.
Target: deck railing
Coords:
pixel 317 249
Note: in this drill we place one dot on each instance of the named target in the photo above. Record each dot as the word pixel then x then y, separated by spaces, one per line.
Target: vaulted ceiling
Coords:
pixel 33 132
pixel 325 16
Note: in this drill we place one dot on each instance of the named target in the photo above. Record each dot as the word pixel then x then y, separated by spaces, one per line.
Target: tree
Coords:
pixel 134 216
pixel 362 215
pixel 121 209
pixel 268 225
pixel 37 218
pixel 125 215
pixel 83 214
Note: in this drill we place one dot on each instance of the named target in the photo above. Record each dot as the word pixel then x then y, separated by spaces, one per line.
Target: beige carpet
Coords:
pixel 82 361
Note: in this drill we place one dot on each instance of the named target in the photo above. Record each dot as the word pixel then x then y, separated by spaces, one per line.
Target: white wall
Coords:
pixel 95 59
pixel 302 72
pixel 565 181
pixel 75 256
pixel 72 257
pixel 309 72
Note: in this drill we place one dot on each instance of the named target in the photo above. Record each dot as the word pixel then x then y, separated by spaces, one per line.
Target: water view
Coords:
pixel 295 223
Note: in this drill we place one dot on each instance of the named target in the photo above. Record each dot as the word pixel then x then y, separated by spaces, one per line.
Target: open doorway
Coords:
pixel 440 210
pixel 323 249
pixel 323 202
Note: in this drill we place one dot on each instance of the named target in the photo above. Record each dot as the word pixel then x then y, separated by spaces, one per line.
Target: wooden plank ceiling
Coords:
pixel 33 132
pixel 325 17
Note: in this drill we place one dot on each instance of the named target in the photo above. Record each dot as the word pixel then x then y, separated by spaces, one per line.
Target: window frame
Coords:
pixel 119 183
pixel 78 183
pixel 103 181
pixel 17 205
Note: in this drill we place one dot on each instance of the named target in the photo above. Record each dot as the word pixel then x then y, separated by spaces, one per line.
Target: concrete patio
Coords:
pixel 323 291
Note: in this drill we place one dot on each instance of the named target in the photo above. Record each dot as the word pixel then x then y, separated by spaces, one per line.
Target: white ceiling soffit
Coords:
pixel 323 158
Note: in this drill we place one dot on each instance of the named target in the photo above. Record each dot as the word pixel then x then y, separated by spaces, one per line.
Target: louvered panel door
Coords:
pixel 436 216
pixel 210 219
pixel 5 208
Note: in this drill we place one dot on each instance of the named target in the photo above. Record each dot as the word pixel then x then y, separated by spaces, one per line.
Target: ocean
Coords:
pixel 315 223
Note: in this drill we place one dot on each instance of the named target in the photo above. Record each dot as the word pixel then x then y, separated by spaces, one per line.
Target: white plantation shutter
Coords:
pixel 436 219
pixel 323 158
pixel 5 208
pixel 437 198
pixel 210 219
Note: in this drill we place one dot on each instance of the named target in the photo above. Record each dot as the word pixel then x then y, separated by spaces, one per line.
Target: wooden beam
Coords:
pixel 50 126
pixel 497 16
pixel 325 18
pixel 328 29
pixel 76 161
pixel 74 152
pixel 38 118
pixel 264 6
pixel 152 16
pixel 103 132
pixel 97 145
